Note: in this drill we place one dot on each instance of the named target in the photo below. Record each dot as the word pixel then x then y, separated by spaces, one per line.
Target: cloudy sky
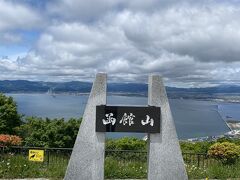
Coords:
pixel 190 43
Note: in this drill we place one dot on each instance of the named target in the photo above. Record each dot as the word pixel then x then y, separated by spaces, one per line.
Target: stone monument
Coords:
pixel 165 160
pixel 87 159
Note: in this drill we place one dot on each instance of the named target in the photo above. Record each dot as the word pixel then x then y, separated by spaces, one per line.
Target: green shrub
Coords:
pixel 56 133
pixel 10 140
pixel 195 147
pixel 226 152
pixel 126 143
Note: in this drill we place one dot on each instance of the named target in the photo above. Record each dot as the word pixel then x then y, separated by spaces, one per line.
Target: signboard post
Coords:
pixel 164 155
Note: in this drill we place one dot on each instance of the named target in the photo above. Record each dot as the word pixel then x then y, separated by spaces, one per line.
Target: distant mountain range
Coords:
pixel 23 86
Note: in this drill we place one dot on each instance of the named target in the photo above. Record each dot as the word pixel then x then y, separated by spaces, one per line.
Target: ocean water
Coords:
pixel 230 111
pixel 192 118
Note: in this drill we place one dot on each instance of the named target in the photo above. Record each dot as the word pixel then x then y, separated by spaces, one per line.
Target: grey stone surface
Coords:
pixel 87 159
pixel 165 160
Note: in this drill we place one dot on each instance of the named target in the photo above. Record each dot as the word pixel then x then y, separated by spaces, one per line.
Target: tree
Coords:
pixel 9 117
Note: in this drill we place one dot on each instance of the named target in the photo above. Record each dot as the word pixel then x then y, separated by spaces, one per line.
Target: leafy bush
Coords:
pixel 126 143
pixel 10 140
pixel 226 152
pixel 39 132
pixel 195 147
pixel 231 140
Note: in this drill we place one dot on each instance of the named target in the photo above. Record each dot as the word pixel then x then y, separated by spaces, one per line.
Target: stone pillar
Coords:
pixel 165 160
pixel 87 159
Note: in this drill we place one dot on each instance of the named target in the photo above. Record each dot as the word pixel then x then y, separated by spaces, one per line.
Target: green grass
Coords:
pixel 124 169
pixel 18 166
pixel 214 171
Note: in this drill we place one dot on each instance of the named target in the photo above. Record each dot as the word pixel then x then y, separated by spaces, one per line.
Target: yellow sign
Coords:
pixel 36 155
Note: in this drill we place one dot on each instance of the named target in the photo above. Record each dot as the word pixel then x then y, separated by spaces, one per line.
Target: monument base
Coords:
pixel 165 160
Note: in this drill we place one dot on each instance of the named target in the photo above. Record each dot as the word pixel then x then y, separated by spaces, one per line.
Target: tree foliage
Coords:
pixel 9 117
pixel 57 133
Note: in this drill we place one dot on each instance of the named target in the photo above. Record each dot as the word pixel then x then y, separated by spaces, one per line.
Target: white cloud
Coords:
pixel 16 16
pixel 189 43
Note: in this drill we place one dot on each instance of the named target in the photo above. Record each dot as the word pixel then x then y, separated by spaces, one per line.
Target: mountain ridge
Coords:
pixel 25 86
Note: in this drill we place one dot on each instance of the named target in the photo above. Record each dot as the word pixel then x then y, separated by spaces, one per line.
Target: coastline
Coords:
pixel 217 97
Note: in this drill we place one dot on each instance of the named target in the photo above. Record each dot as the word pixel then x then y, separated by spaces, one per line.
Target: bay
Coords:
pixel 192 118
